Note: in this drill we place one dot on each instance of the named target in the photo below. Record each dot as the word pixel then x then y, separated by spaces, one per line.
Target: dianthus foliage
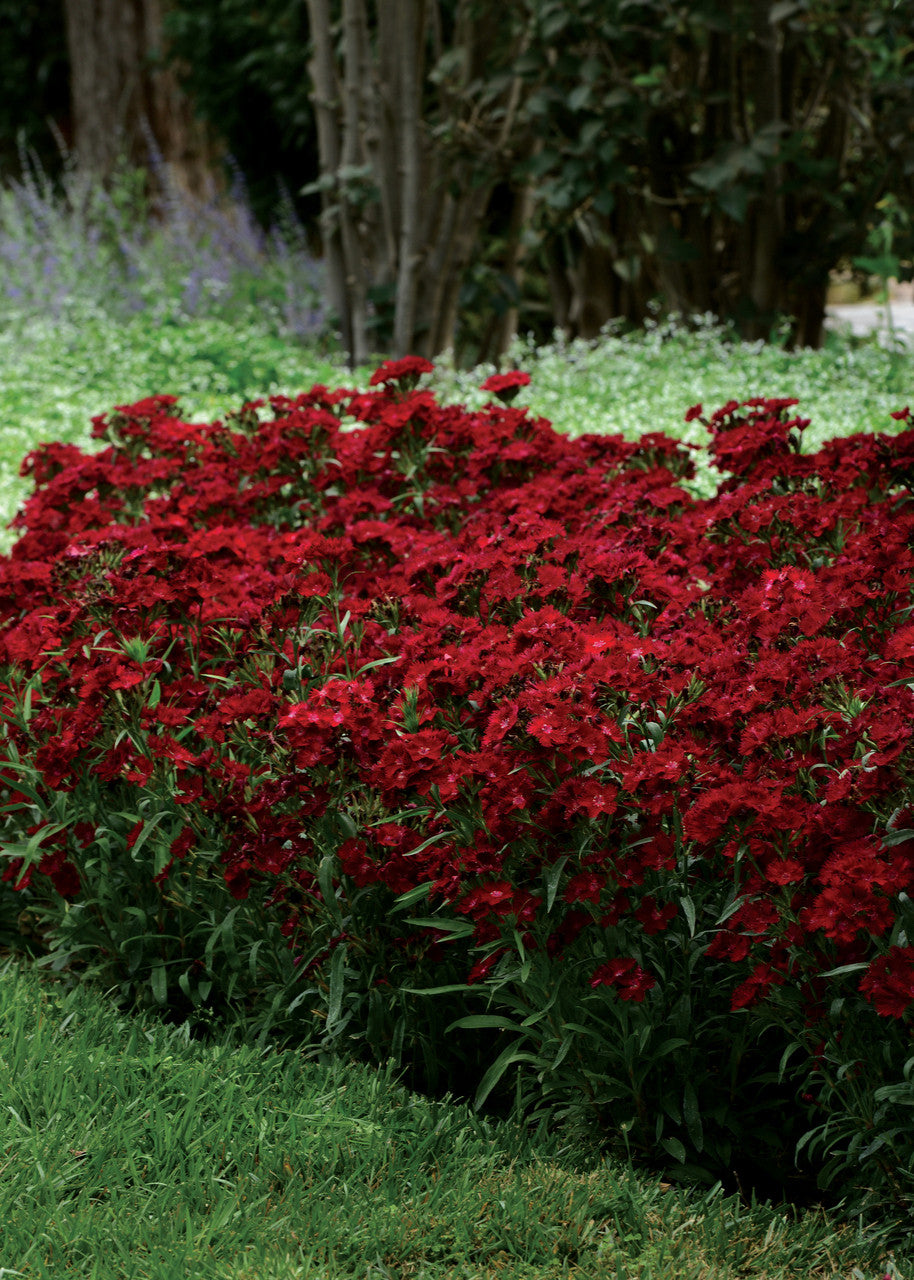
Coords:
pixel 442 737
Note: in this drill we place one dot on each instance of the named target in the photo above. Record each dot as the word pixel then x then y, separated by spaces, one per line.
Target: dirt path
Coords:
pixel 865 317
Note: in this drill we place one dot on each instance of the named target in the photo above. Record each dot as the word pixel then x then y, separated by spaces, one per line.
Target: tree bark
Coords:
pixel 325 97
pixel 767 220
pixel 410 67
pixel 355 37
pixel 408 164
pixel 126 102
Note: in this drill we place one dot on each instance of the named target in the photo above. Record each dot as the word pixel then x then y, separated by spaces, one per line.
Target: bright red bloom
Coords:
pixel 505 386
pixel 407 370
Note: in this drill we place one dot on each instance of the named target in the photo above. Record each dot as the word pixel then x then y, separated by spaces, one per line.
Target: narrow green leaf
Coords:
pixel 456 928
pixel 552 878
pixel 335 997
pixel 438 991
pixel 477 1021
pixel 148 827
pixel 159 984
pixel 506 1059
pixel 19 785
pixel 842 969
pixel 668 1046
pixel 692 1115
pixel 784 9
pixel 441 835
pixel 378 662
pixel 328 889
pixel 416 894
pixel 675 1149
pixel 688 910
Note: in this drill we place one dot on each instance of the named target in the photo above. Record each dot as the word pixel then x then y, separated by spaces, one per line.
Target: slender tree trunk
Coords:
pixel 505 326
pixel 407 166
pixel 767 220
pixel 410 64
pixel 355 37
pixel 325 97
pixel 126 102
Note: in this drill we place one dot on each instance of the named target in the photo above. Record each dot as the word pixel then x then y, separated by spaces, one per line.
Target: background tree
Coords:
pixel 470 170
pixel 418 119
pixel 720 156
pixel 126 99
pixel 243 66
pixel 35 103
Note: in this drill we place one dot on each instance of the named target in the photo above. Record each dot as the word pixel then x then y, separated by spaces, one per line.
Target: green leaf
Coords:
pixel 478 1021
pixel 734 201
pixel 19 785
pixel 30 850
pixel 688 910
pixel 441 835
pixel 675 1149
pixel 897 837
pixel 845 968
pixel 885 266
pixel 416 894
pixel 562 1054
pixel 692 1115
pixel 149 827
pixel 785 9
pixel 159 984
pixel 350 830
pixel 456 928
pixel 712 175
pixel 328 889
pixel 224 932
pixel 668 1046
pixel 439 991
pixel 552 878
pixel 378 662
pixel 506 1059
pixel 335 997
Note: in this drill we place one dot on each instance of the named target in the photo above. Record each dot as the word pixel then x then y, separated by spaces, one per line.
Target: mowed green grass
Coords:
pixel 130 1150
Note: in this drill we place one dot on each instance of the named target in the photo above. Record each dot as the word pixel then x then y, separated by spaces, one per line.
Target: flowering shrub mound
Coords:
pixel 481 717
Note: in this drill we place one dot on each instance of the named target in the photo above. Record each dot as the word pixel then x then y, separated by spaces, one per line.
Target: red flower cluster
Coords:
pixel 505 386
pixel 459 650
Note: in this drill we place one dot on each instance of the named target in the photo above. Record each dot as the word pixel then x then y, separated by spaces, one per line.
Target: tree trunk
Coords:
pixel 325 97
pixel 126 103
pixel 408 163
pixel 409 114
pixel 767 221
pixel 504 326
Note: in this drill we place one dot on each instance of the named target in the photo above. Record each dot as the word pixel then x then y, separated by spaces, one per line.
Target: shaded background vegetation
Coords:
pixel 466 171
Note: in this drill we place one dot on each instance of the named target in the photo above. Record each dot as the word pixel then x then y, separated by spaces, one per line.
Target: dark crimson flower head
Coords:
pixel 626 976
pixel 406 371
pixel 505 386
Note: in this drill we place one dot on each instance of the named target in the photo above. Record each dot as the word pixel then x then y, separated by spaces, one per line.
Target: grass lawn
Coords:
pixel 131 1150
